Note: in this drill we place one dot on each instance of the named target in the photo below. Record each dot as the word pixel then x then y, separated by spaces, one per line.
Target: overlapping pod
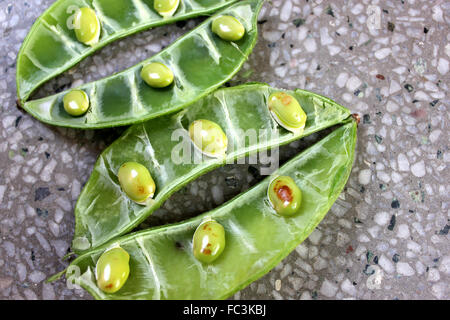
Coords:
pixel 162 264
pixel 51 47
pixel 200 62
pixel 103 211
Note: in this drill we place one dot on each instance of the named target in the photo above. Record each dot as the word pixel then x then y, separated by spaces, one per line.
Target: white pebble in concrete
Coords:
pixel 405 269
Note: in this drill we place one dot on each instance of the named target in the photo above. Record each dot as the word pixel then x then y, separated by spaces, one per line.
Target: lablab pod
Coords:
pixel 166 8
pixel 112 269
pixel 136 181
pixel 209 138
pixel 286 110
pixel 228 28
pixel 87 26
pixel 284 195
pixel 157 75
pixel 208 241
pixel 76 102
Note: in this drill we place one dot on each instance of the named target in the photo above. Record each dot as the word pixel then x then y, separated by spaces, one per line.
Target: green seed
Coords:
pixel 287 111
pixel 209 138
pixel 87 26
pixel 166 8
pixel 208 241
pixel 157 75
pixel 76 102
pixel 228 28
pixel 136 182
pixel 284 196
pixel 112 270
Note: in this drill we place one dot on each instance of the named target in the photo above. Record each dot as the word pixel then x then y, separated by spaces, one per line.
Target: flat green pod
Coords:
pixel 200 61
pixel 162 264
pixel 103 211
pixel 51 46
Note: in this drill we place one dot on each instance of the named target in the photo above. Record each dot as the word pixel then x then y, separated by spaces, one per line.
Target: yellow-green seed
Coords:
pixel 287 111
pixel 157 75
pixel 285 196
pixel 228 28
pixel 112 270
pixel 166 8
pixel 208 137
pixel 76 102
pixel 136 181
pixel 87 26
pixel 208 241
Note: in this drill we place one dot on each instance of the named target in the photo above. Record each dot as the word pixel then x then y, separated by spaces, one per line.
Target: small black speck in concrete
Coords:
pixel 391 26
pixel 17 121
pixel 366 119
pixel 375 260
pixel 298 22
pixel 181 24
pixel 391 223
pixel 425 30
pixel 33 257
pixel 395 204
pixel 369 256
pixel 330 11
pixel 378 139
pixel 444 231
pixel 396 257
pixel 42 212
pixel 47 155
pixel 41 193
pixel 434 102
pixel 409 87
pixel 367 272
pixel 262 21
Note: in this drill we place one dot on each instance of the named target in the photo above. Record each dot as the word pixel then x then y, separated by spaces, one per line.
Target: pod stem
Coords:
pixel 56 276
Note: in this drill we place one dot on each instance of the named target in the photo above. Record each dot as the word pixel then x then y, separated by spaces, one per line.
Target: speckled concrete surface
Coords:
pixel 387 235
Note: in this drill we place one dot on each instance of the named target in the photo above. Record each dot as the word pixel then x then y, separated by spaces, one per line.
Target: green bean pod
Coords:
pixel 51 46
pixel 162 265
pixel 103 211
pixel 200 62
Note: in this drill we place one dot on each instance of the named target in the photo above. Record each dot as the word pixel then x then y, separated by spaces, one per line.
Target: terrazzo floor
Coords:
pixel 387 235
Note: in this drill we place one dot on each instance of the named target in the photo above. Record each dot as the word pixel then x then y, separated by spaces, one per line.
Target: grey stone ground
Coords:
pixel 387 235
